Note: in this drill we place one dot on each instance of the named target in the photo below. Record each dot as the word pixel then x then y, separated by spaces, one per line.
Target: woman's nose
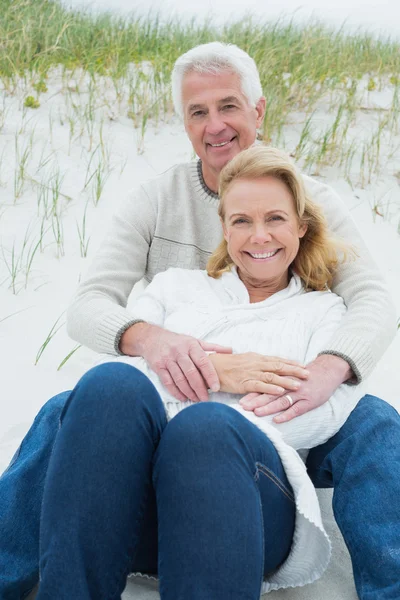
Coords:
pixel 260 235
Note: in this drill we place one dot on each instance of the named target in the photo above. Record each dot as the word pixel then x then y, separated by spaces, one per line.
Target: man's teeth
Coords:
pixel 221 144
pixel 264 255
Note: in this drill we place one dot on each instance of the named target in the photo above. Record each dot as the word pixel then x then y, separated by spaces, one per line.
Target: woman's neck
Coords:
pixel 260 290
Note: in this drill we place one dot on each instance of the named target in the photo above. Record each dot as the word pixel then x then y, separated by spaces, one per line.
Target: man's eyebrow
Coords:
pixel 193 107
pixel 229 99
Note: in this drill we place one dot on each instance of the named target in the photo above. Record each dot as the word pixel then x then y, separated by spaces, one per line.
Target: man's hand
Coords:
pixel 180 361
pixel 327 372
pixel 252 372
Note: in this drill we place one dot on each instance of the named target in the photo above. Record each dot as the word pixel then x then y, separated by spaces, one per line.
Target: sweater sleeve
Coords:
pixel 98 312
pixel 369 325
pixel 320 424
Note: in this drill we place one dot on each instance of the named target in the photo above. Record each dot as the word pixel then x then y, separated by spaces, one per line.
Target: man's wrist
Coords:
pixel 336 364
pixel 131 340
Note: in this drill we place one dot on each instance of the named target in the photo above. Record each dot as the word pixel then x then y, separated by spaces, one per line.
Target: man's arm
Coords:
pixel 322 382
pixel 98 315
pixel 370 323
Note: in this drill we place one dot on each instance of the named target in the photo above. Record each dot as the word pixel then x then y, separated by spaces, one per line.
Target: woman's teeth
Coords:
pixel 265 254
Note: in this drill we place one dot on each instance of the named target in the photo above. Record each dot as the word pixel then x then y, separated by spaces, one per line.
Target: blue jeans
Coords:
pixel 202 500
pixel 361 462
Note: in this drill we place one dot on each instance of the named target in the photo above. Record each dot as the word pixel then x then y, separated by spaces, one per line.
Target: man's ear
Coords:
pixel 260 108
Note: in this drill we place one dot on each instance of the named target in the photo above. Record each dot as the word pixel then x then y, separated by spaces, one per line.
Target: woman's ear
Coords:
pixel 302 229
pixel 224 230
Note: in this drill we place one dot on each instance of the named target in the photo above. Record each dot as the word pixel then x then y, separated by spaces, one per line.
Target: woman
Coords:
pixel 210 496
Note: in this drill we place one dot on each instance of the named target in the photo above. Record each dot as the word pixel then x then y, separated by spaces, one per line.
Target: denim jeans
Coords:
pixel 361 462
pixel 203 500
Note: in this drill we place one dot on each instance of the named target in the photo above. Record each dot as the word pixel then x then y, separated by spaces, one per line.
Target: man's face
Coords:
pixel 218 120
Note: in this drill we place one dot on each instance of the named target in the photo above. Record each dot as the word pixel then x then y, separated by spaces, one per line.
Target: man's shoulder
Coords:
pixel 178 174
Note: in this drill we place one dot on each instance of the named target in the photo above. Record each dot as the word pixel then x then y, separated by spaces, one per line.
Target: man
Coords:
pixel 172 221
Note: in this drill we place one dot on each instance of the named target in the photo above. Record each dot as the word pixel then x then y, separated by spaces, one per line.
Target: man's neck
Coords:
pixel 210 179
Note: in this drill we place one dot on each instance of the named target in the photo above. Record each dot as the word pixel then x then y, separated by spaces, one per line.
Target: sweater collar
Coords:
pixel 238 293
pixel 200 185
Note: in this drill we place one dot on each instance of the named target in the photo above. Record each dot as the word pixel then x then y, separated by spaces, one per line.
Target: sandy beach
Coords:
pixel 66 164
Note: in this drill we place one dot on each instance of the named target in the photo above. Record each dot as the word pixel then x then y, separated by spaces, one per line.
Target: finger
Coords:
pixel 168 383
pixel 299 408
pixel 256 385
pixel 280 367
pixel 193 377
pixel 259 400
pixel 205 367
pixel 181 382
pixel 281 383
pixel 286 360
pixel 215 347
pixel 278 405
pixel 287 383
pixel 248 397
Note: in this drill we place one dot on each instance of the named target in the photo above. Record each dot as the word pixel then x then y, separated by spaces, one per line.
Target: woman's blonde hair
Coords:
pixel 318 254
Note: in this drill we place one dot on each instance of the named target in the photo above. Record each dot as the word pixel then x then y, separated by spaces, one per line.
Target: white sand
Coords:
pixel 52 278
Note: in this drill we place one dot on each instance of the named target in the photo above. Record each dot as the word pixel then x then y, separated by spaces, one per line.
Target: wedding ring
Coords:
pixel 289 398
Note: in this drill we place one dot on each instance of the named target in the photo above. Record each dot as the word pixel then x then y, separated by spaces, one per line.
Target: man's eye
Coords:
pixel 228 106
pixel 198 113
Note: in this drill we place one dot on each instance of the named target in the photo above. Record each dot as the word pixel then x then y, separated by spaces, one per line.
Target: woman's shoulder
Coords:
pixel 176 278
pixel 320 302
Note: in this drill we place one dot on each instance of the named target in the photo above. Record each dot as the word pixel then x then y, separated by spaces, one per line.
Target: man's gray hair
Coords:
pixel 214 58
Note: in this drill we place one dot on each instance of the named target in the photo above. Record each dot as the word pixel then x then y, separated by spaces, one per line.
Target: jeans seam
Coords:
pixel 275 479
pixel 262 529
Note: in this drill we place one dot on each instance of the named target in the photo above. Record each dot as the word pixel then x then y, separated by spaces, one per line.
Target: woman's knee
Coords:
pixel 207 428
pixel 118 387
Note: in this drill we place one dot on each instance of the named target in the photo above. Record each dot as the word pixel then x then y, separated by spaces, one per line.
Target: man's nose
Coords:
pixel 215 123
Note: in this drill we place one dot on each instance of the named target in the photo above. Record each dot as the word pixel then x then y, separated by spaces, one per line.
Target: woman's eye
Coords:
pixel 276 218
pixel 239 221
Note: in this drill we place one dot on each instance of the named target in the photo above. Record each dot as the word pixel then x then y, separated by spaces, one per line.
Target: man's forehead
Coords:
pixel 198 87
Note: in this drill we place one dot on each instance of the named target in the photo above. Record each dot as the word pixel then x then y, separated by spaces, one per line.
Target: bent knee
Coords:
pixel 208 423
pixel 118 385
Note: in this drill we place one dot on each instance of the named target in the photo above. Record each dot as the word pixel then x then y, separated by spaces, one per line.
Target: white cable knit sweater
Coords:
pixel 172 221
pixel 292 323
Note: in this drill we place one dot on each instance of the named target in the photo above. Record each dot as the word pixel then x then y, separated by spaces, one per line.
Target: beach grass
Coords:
pixel 301 67
pixel 81 92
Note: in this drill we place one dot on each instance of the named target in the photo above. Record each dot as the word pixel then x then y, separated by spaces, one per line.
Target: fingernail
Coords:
pixel 215 387
pixel 280 390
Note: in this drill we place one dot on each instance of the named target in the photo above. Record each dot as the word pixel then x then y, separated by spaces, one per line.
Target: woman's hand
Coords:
pixel 327 372
pixel 252 372
pixel 180 361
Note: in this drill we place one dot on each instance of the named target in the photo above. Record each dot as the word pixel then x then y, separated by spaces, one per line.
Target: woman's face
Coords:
pixel 262 230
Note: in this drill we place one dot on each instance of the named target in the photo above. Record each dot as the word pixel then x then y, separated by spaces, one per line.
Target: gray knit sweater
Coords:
pixel 172 221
